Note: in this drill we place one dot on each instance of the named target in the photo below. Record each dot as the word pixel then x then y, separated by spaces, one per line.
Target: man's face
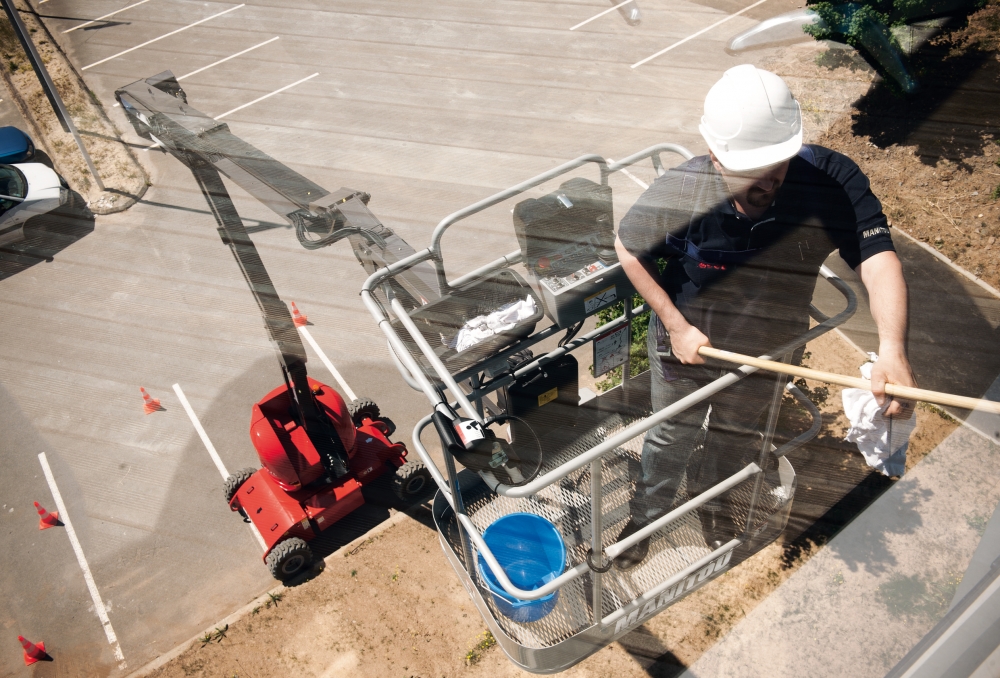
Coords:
pixel 755 187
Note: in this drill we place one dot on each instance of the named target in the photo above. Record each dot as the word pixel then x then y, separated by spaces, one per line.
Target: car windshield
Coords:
pixel 12 185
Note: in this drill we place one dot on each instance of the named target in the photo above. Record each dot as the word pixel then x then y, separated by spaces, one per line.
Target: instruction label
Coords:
pixel 611 349
pixel 596 301
pixel 548 396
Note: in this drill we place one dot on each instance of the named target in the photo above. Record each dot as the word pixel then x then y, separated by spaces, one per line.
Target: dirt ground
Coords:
pixel 393 607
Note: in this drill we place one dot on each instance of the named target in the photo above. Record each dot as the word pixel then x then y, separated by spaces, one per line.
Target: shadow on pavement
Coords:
pixel 47 235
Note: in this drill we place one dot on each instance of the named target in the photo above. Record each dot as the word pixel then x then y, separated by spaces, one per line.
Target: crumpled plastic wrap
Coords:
pixel 485 326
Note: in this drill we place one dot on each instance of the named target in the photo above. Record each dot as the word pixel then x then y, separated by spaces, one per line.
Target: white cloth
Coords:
pixel 882 441
pixel 485 326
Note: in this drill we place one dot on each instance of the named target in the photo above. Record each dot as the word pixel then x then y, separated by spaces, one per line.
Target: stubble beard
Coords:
pixel 757 197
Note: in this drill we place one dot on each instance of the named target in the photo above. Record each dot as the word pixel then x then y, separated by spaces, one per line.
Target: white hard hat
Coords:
pixel 751 119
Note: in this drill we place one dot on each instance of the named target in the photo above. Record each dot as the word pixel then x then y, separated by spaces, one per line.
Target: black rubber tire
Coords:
pixel 362 407
pixel 235 481
pixel 390 426
pixel 411 481
pixel 289 558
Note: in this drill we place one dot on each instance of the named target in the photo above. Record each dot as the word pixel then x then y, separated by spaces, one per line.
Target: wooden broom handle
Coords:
pixel 905 392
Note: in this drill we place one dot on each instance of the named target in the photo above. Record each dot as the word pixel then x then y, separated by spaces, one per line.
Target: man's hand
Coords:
pixel 893 368
pixel 685 339
pixel 685 343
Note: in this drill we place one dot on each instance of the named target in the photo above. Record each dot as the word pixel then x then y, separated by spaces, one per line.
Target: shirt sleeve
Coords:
pixel 643 230
pixel 872 234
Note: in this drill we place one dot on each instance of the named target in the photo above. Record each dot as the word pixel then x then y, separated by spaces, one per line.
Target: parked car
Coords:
pixel 27 190
pixel 15 146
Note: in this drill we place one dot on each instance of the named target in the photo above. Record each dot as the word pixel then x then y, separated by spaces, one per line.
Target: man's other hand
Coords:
pixel 685 343
pixel 892 367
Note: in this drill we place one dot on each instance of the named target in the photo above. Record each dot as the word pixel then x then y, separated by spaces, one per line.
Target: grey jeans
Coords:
pixel 669 449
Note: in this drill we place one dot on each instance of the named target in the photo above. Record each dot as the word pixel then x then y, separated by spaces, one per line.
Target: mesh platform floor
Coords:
pixel 567 505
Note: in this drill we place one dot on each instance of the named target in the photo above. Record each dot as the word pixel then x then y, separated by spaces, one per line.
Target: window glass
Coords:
pixel 12 185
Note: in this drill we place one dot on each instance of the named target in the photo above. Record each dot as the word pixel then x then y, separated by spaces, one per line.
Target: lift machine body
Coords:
pixel 317 451
pixel 575 468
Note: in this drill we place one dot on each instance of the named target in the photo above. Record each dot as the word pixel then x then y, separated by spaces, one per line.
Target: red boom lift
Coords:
pixel 317 451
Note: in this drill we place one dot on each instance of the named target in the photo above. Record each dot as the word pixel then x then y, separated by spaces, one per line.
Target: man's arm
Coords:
pixel 685 339
pixel 882 275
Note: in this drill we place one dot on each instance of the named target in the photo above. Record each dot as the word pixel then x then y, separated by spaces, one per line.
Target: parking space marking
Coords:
pixel 95 595
pixel 101 18
pixel 598 16
pixel 695 35
pixel 258 99
pixel 629 174
pixel 329 365
pixel 201 431
pixel 211 449
pixel 220 61
pixel 158 143
pixel 150 42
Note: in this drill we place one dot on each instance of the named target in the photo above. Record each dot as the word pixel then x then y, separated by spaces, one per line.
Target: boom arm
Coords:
pixel 158 110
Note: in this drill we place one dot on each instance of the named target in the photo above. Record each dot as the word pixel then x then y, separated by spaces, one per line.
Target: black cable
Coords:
pixel 571 332
pixel 538 443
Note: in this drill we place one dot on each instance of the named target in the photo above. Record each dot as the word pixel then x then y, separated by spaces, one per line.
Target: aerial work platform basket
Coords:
pixel 577 474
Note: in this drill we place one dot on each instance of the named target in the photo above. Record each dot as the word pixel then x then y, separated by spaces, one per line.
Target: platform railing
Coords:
pixel 415 376
pixel 594 455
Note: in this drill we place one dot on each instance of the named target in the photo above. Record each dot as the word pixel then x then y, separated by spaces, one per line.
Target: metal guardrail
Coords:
pixel 415 376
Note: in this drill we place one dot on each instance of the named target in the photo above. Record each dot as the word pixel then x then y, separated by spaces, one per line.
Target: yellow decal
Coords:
pixel 548 396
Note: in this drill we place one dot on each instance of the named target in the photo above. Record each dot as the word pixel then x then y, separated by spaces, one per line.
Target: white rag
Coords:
pixel 485 326
pixel 882 441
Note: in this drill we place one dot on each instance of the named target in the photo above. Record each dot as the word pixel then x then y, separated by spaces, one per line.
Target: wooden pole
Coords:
pixel 904 392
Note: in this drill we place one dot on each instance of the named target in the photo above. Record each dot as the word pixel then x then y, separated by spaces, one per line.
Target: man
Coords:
pixel 744 232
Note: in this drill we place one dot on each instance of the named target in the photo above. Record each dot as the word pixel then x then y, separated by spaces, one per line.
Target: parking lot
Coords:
pixel 428 107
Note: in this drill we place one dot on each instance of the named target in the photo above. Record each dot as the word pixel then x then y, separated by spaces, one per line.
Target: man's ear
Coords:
pixel 715 162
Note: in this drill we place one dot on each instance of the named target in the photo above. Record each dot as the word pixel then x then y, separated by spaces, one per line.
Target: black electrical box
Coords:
pixel 545 399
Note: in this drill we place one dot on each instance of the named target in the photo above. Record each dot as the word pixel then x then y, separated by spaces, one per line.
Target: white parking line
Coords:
pixel 250 49
pixel 149 42
pixel 95 595
pixel 630 175
pixel 277 91
pixel 329 365
pixel 211 449
pixel 101 18
pixel 598 16
pixel 251 103
pixel 695 35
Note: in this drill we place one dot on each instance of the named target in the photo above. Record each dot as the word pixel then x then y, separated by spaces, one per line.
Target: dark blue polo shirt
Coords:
pixel 747 283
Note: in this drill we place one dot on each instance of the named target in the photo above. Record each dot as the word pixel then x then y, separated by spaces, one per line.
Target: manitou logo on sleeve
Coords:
pixel 692 581
pixel 874 231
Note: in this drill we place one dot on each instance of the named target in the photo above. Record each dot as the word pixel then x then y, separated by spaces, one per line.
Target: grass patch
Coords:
pixel 483 642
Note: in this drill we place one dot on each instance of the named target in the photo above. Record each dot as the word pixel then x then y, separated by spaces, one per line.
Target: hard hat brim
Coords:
pixel 742 161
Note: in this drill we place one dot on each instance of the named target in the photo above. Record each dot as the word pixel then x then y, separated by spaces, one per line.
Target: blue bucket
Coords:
pixel 531 552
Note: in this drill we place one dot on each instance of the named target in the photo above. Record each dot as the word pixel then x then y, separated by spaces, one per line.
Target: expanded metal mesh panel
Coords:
pixel 567 505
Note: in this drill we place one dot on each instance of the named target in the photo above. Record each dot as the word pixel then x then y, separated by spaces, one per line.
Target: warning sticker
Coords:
pixel 548 396
pixel 597 301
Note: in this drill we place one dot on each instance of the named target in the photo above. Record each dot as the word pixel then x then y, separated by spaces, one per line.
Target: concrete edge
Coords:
pixel 169 656
pixel 982 283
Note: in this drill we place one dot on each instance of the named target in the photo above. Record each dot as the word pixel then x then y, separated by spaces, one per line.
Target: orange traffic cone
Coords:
pixel 32 652
pixel 149 404
pixel 46 519
pixel 297 317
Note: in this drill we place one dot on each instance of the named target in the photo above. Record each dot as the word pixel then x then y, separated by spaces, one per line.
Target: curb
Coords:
pixel 393 520
pixel 982 283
